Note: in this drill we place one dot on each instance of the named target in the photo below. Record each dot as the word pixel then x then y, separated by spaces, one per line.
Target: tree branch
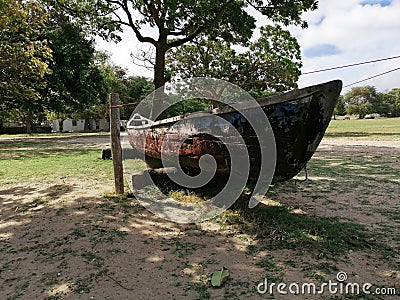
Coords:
pixel 146 57
pixel 203 55
pixel 176 33
pixel 258 7
pixel 159 22
pixel 200 28
pixel 181 32
pixel 115 2
pixel 139 36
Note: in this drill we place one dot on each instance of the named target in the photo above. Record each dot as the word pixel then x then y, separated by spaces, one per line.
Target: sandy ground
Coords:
pixel 391 144
pixel 79 245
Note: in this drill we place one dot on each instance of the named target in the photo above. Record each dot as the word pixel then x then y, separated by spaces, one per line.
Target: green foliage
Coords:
pixel 393 100
pixel 273 59
pixel 76 82
pixel 180 21
pixel 91 15
pixel 285 12
pixel 180 18
pixel 340 108
pixel 177 22
pixel 266 67
pixel 184 107
pixel 218 278
pixel 114 75
pixel 47 64
pixel 360 109
pixel 384 106
pixel 137 88
pixel 202 57
pixel 131 89
pixel 50 65
pixel 24 57
pixel 361 101
pixel 366 100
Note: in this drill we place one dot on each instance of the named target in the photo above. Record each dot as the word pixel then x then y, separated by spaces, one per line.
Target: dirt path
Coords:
pixel 394 143
pixel 65 241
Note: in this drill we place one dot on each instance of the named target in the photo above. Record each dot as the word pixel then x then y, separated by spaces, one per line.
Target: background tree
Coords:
pixel 362 101
pixel 393 101
pixel 137 88
pixel 266 67
pixel 24 59
pixel 340 108
pixel 360 109
pixel 384 106
pixel 130 88
pixel 76 82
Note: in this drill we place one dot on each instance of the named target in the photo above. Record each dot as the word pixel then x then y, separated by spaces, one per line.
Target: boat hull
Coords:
pixel 298 120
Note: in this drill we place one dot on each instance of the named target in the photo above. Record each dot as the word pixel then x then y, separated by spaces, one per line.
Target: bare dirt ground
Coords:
pixel 80 244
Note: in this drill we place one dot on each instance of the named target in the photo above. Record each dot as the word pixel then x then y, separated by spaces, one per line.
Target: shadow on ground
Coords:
pixel 54 246
pixel 60 241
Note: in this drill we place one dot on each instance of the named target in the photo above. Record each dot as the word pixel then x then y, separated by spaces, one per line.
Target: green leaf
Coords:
pixel 219 277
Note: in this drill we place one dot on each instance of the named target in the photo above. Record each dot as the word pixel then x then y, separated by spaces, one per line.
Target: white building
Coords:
pixel 79 125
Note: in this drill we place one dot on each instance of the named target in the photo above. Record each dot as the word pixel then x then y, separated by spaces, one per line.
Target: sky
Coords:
pixel 340 32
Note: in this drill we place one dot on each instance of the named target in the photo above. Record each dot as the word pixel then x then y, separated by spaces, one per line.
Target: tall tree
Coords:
pixel 180 21
pixel 362 101
pixel 76 82
pixel 340 108
pixel 24 58
pixel 130 88
pixel 393 100
pixel 269 65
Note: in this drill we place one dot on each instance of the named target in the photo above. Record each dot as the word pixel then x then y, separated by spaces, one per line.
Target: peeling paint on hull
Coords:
pixel 298 119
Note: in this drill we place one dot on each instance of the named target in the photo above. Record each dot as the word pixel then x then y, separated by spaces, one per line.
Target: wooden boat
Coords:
pixel 298 119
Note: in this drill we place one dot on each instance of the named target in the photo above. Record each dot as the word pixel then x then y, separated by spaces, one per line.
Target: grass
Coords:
pixel 185 197
pixel 273 270
pixel 46 165
pixel 52 135
pixel 351 171
pixel 365 129
pixel 43 161
pixel 279 227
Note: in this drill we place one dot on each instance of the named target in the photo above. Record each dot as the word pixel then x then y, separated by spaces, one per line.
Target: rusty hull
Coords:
pixel 298 119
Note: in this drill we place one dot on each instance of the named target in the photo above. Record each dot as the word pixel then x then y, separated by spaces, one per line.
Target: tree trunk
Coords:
pixel 28 122
pixel 159 68
pixel 1 127
pixel 61 125
pixel 87 125
pixel 159 77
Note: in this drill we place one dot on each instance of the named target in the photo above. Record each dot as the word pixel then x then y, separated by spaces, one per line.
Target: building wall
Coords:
pixel 103 124
pixel 55 126
pixel 79 125
pixel 73 125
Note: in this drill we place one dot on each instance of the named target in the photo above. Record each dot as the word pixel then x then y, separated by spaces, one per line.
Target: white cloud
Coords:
pixel 361 33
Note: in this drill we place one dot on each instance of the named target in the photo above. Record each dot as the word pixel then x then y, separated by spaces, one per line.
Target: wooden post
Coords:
pixel 116 150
